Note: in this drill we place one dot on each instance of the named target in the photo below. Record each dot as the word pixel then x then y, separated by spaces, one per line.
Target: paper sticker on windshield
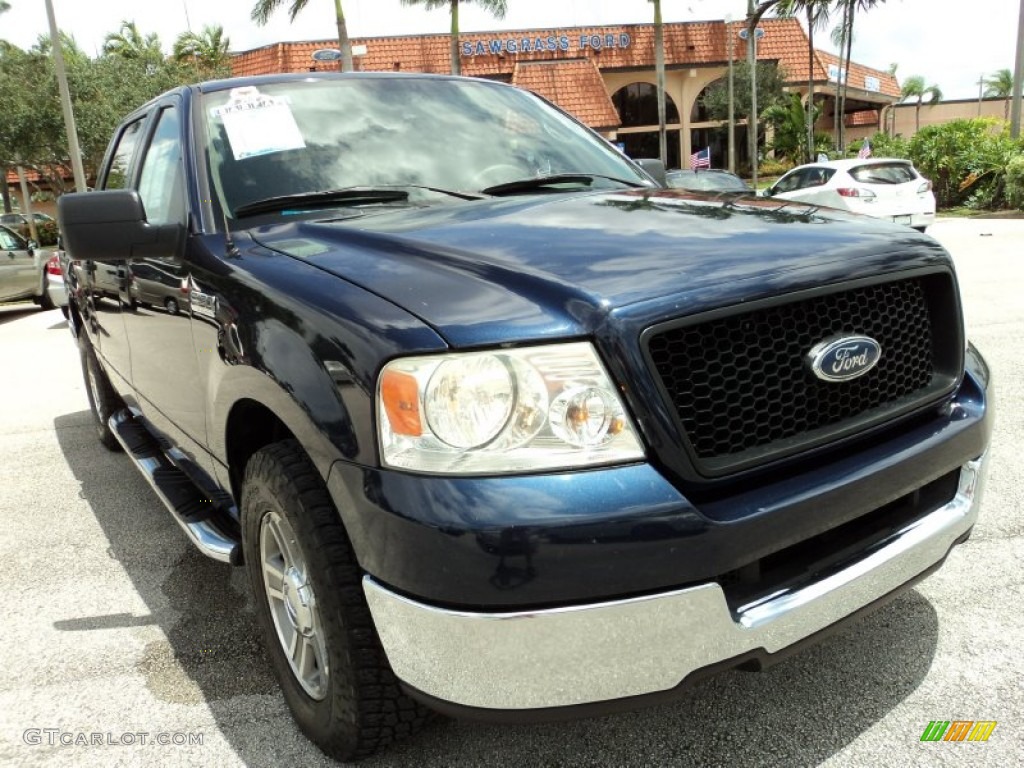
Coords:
pixel 258 124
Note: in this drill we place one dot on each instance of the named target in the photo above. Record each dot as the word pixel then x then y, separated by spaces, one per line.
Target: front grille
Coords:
pixel 741 388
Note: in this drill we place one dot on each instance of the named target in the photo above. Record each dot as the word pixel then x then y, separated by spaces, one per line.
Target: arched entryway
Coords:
pixel 705 132
pixel 637 104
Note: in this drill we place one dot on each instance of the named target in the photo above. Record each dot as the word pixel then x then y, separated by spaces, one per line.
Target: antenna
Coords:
pixel 232 250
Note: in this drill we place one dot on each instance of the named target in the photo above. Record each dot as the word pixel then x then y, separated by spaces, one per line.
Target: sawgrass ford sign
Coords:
pixel 499 46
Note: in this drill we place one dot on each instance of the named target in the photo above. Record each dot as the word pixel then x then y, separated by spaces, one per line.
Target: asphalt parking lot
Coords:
pixel 115 629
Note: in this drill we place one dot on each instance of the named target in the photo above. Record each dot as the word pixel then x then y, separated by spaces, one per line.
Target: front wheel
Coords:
pixel 103 400
pixel 309 600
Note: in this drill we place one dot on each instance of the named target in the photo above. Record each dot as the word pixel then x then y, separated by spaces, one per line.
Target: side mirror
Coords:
pixel 104 226
pixel 31 245
pixel 768 191
pixel 655 169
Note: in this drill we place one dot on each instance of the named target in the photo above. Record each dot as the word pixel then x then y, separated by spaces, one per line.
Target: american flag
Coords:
pixel 865 150
pixel 700 159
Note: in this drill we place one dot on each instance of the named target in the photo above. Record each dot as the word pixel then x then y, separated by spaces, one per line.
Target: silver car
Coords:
pixel 22 270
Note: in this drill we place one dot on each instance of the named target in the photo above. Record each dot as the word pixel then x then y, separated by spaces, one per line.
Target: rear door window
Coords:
pixel 120 164
pixel 884 173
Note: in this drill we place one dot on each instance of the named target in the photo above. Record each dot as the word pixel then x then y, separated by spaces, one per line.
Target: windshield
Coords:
pixel 375 132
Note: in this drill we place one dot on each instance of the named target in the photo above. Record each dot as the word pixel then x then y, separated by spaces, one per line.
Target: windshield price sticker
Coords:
pixel 258 124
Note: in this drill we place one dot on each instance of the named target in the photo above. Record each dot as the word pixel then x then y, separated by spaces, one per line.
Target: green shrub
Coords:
pixel 1015 182
pixel 774 167
pixel 966 160
pixel 46 230
pixel 883 145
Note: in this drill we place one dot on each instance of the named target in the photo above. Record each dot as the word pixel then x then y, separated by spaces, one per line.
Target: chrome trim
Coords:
pixel 582 654
pixel 204 534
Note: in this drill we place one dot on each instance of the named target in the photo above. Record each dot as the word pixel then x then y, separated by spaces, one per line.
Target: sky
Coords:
pixel 951 44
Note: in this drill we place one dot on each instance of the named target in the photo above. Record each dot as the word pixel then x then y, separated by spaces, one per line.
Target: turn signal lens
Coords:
pixel 400 396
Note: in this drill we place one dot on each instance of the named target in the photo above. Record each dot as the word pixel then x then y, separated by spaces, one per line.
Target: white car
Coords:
pixel 883 188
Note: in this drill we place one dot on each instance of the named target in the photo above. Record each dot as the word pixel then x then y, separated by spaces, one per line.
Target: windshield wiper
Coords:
pixel 324 198
pixel 540 182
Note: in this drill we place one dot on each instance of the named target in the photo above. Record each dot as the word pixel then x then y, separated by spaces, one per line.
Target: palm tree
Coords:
pixel 915 88
pixel 1000 85
pixel 264 8
pixel 817 16
pixel 207 50
pixel 817 12
pixel 850 8
pixel 128 43
pixel 659 69
pixel 497 8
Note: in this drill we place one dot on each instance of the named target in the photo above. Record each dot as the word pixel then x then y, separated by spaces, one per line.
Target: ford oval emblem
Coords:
pixel 844 358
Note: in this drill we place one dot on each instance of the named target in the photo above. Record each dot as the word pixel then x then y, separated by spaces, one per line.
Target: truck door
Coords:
pixel 107 281
pixel 165 371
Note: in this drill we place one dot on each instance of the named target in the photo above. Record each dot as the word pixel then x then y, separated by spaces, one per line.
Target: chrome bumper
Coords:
pixel 604 651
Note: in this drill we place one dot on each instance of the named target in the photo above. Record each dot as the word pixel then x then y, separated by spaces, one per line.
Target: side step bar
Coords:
pixel 179 494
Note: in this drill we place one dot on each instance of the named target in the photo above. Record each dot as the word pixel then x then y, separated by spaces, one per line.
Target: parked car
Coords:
pixel 707 180
pixel 21 219
pixel 498 427
pixel 883 188
pixel 56 289
pixel 22 270
pixel 158 285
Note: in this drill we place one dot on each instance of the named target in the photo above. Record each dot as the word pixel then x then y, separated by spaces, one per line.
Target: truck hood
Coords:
pixel 557 266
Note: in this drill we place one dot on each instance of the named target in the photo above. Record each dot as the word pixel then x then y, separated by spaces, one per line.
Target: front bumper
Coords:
pixel 564 657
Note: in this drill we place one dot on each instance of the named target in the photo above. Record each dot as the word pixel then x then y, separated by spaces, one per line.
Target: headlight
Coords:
pixel 504 411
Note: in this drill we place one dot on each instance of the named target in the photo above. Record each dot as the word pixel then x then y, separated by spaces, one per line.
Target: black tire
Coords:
pixel 361 708
pixel 171 305
pixel 45 302
pixel 103 400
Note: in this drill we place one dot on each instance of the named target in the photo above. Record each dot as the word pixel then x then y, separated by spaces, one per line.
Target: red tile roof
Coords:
pixel 576 86
pixel 686 44
pixel 858 74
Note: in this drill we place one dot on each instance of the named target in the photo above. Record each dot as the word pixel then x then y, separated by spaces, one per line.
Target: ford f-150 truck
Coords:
pixel 497 425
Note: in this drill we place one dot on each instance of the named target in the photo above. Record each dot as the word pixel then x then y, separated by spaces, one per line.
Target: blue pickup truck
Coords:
pixel 499 426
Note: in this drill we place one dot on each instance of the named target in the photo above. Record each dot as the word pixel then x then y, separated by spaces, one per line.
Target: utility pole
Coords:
pixel 65 102
pixel 981 83
pixel 659 68
pixel 752 121
pixel 1018 76
pixel 732 115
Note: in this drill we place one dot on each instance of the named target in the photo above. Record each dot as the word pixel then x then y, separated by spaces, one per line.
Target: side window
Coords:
pixel 120 165
pixel 9 242
pixel 790 182
pixel 161 183
pixel 816 177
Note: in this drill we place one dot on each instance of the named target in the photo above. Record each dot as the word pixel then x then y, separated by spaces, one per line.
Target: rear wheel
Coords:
pixel 309 599
pixel 171 305
pixel 103 400
pixel 45 302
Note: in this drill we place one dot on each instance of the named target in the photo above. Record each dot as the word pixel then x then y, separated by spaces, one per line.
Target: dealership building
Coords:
pixel 605 76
